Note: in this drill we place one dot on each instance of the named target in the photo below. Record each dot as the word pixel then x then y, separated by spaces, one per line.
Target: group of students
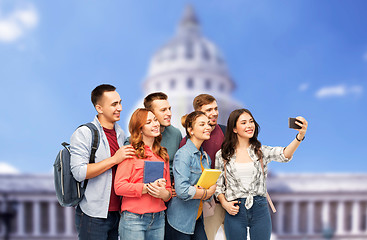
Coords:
pixel 118 203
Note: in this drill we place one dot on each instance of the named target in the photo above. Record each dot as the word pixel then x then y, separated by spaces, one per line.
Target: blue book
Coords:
pixel 152 171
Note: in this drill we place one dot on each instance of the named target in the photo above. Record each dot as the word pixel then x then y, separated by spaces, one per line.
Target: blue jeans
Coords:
pixel 257 218
pixel 199 232
pixel 91 228
pixel 148 226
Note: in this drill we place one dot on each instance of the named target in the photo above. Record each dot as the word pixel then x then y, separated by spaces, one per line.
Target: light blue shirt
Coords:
pixel 96 198
pixel 182 210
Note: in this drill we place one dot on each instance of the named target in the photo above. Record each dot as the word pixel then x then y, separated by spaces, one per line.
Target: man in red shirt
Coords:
pixel 97 215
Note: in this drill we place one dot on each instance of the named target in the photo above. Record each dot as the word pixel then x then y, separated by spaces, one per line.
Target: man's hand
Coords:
pixel 123 153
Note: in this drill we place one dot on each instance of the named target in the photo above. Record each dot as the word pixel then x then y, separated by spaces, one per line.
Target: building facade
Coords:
pixel 309 206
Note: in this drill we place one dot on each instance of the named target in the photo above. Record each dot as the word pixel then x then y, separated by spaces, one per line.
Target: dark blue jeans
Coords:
pixel 91 228
pixel 199 232
pixel 257 218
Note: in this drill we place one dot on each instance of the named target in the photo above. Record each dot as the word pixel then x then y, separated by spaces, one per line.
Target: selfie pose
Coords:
pixel 184 213
pixel 241 187
pixel 142 204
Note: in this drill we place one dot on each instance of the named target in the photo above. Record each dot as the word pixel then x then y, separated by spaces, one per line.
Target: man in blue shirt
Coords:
pixel 171 137
pixel 97 215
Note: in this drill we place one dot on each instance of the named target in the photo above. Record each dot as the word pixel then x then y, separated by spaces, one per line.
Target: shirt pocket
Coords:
pixel 195 174
pixel 138 171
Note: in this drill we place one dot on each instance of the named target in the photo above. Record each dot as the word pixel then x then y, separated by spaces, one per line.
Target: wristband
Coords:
pixel 202 196
pixel 299 139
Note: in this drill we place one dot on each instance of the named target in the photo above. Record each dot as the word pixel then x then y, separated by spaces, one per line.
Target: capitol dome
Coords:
pixel 189 65
pixel 189 51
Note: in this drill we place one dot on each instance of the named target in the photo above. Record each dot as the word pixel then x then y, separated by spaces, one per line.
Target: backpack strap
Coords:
pixel 271 204
pixel 95 141
pixel 95 144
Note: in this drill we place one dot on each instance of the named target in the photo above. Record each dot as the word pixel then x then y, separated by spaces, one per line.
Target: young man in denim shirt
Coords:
pixel 97 215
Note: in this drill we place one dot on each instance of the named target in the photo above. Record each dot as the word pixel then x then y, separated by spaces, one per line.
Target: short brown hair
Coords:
pixel 98 92
pixel 202 99
pixel 148 100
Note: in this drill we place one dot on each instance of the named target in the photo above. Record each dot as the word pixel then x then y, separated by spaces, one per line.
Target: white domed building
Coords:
pixel 189 65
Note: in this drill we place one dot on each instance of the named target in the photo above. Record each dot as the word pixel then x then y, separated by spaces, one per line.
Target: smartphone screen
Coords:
pixel 292 123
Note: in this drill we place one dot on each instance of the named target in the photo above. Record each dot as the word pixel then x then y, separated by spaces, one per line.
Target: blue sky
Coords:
pixel 288 58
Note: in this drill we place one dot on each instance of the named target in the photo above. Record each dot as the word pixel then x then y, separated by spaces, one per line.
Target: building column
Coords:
pixel 325 215
pixel 310 218
pixel 280 218
pixel 52 218
pixel 356 222
pixel 295 218
pixel 36 218
pixel 2 230
pixel 340 219
pixel 69 221
pixel 20 219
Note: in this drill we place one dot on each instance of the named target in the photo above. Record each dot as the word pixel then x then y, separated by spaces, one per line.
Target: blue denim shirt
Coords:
pixel 182 210
pixel 97 195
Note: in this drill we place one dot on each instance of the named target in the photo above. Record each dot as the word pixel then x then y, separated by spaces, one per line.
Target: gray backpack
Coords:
pixel 70 192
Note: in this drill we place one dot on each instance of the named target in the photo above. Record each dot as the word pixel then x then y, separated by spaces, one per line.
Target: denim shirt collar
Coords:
pixel 192 148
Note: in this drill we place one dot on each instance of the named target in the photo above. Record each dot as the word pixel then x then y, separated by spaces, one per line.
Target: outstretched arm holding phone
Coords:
pixel 292 147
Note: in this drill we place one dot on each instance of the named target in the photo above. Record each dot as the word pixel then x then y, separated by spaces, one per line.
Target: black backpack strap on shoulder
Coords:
pixel 95 141
pixel 95 144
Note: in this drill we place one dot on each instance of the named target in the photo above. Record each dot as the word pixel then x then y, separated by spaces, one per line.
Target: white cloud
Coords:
pixel 17 23
pixel 339 91
pixel 6 168
pixel 303 87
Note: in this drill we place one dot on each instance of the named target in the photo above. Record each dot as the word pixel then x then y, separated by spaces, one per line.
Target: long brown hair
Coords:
pixel 230 138
pixel 137 121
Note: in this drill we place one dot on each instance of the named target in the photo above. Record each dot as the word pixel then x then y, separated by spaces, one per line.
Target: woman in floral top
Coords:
pixel 241 187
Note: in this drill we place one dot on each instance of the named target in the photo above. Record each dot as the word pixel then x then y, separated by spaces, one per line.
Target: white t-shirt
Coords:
pixel 246 172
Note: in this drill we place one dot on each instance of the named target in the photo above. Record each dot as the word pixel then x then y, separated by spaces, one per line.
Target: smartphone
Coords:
pixel 292 123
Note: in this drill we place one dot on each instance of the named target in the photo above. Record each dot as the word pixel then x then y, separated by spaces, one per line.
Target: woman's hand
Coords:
pixel 158 189
pixel 231 207
pixel 292 147
pixel 303 125
pixel 161 182
pixel 211 191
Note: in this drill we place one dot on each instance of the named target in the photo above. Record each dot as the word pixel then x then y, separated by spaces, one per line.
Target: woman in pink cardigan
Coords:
pixel 142 206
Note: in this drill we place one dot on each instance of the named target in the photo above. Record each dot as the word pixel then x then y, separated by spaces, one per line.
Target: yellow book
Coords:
pixel 208 178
